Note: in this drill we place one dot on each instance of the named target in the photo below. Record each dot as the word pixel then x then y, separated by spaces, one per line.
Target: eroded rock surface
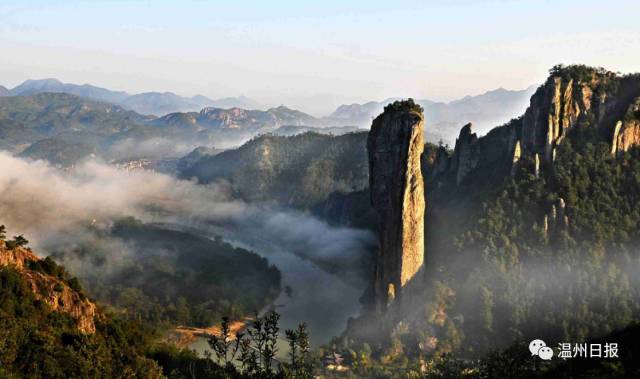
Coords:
pixel 580 97
pixel 590 104
pixel 626 133
pixel 395 144
pixel 52 290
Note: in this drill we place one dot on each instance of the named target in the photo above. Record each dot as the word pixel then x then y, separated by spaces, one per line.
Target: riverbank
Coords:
pixel 316 296
pixel 187 335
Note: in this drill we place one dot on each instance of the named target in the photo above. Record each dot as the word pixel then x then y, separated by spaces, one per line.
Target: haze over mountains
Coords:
pixel 63 129
pixel 443 120
pixel 153 103
pixel 247 115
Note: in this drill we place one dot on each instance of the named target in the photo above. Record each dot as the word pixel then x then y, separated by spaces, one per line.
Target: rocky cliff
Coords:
pixel 626 132
pixel 395 145
pixel 50 289
pixel 598 104
pixel 579 97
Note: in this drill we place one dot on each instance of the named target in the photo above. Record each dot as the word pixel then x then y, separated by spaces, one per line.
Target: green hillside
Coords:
pixel 298 171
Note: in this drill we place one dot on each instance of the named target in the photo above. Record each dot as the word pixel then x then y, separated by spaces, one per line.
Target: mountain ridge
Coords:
pixel 159 103
pixel 442 119
pixel 155 103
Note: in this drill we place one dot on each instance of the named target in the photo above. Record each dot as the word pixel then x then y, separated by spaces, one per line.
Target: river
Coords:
pixel 321 299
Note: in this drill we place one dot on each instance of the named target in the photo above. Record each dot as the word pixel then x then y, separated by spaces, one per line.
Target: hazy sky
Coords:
pixel 313 54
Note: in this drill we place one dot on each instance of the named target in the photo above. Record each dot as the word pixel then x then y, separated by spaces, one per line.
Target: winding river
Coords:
pixel 321 299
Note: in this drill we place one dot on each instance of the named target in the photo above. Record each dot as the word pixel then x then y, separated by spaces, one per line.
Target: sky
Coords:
pixel 313 55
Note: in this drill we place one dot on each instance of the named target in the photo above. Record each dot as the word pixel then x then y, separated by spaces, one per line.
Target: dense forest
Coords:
pixel 171 277
pixel 299 171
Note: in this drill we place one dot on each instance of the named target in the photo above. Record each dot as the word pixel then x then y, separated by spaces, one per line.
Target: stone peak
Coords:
pixel 467 129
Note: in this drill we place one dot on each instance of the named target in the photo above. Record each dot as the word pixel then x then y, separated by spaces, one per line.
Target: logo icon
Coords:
pixel 540 348
pixel 545 353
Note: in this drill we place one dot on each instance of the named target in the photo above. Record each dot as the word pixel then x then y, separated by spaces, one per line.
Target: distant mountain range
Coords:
pixel 238 118
pixel 443 119
pixel 62 123
pixel 151 103
pixel 485 111
pixel 64 128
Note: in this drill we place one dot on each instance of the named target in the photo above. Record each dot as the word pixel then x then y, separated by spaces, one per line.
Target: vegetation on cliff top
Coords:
pixel 408 105
pixel 579 72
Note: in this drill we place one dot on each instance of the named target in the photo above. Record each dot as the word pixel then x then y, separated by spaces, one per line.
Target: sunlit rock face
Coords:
pixel 554 109
pixel 588 103
pixel 395 145
pixel 50 289
pixel 626 133
pixel 582 97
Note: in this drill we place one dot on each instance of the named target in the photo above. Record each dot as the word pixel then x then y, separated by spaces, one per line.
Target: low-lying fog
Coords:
pixel 54 209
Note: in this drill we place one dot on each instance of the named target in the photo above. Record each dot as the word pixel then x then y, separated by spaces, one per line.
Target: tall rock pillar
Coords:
pixel 395 144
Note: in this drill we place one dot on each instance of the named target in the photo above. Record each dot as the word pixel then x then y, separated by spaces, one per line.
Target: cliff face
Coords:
pixel 395 145
pixel 50 289
pixel 555 108
pixel 626 133
pixel 582 97
pixel 573 98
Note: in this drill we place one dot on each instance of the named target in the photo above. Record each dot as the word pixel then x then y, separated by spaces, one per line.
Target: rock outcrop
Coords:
pixel 581 96
pixel 395 144
pixel 555 108
pixel 465 153
pixel 50 289
pixel 626 133
pixel 495 155
pixel 517 154
pixel 591 103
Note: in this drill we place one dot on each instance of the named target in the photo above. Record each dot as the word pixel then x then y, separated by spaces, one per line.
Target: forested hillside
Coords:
pixel 50 329
pixel 298 171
